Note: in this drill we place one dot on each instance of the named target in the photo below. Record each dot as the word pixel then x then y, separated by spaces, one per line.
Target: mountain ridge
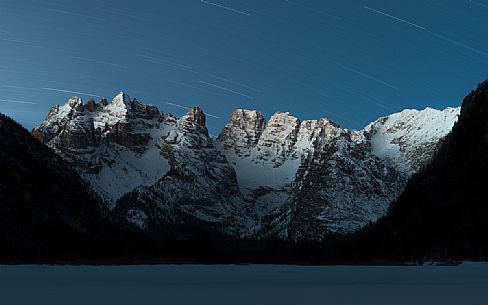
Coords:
pixel 254 174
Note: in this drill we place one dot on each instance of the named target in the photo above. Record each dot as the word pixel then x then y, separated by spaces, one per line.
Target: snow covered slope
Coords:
pixel 113 146
pixel 408 138
pixel 199 189
pixel 307 178
pixel 286 177
pixel 151 169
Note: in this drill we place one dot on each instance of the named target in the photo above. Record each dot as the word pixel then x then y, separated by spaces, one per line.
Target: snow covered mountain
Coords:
pixel 109 144
pixel 200 187
pixel 307 178
pixel 167 168
pixel 408 138
pixel 286 177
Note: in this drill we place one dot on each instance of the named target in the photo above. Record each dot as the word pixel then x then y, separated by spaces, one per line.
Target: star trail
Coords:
pixel 349 61
pixel 394 18
pixel 225 7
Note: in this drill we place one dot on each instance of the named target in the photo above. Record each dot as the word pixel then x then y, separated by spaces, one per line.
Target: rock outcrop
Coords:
pixel 243 131
pixel 107 142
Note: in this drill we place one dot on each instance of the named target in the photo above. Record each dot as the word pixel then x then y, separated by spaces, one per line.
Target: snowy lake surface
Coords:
pixel 244 284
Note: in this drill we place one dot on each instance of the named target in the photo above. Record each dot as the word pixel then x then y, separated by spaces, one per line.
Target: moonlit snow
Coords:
pixel 240 284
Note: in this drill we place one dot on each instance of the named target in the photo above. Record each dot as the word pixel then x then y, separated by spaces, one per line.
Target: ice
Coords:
pixel 466 284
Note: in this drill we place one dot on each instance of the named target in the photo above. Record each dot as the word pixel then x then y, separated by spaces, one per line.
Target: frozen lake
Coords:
pixel 247 285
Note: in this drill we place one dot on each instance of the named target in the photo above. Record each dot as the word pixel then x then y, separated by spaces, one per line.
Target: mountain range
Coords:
pixel 121 182
pixel 283 177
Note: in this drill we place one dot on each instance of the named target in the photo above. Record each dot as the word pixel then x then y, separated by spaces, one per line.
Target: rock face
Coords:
pixel 195 115
pixel 306 178
pixel 285 177
pixel 107 143
pixel 167 168
pixel 243 131
pixel 200 186
pixel 339 187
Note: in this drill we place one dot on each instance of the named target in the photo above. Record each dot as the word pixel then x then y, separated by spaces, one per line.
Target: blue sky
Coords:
pixel 350 61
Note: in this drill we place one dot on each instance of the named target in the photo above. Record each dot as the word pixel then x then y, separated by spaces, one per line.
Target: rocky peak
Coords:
pixel 243 131
pixel 314 134
pixel 282 118
pixel 282 125
pixel 196 115
pixel 121 100
pixel 74 101
pixel 278 139
pixel 144 111
pixel 192 127
pixel 91 105
pixel 120 105
pixel 123 108
pixel 100 138
pixel 249 120
pixel 76 126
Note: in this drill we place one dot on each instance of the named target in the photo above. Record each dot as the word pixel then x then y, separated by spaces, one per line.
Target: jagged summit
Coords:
pixel 196 115
pixel 285 176
pixel 103 114
pixel 242 131
pixel 91 135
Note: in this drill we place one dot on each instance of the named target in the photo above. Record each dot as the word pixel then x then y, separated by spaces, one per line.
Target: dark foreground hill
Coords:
pixel 443 212
pixel 45 209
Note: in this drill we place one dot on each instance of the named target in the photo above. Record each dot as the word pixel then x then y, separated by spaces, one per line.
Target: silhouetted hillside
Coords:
pixel 443 212
pixel 46 211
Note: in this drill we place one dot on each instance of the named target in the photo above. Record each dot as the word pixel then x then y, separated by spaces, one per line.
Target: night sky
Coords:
pixel 350 61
